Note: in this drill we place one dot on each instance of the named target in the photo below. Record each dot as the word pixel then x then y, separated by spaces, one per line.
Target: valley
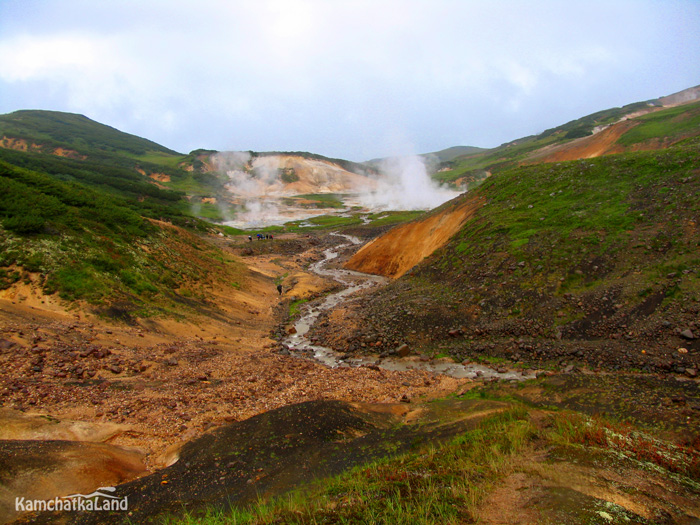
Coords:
pixel 466 336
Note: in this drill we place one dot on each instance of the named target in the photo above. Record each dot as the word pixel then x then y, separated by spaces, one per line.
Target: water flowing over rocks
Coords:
pixel 398 359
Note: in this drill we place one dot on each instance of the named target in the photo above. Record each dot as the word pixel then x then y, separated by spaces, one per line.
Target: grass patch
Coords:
pixel 322 222
pixel 295 307
pixel 317 200
pixel 438 484
pixel 394 217
pixel 670 123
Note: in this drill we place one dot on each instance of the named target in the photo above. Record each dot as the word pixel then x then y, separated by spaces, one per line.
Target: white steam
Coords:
pixel 406 185
pixel 255 188
pixel 250 185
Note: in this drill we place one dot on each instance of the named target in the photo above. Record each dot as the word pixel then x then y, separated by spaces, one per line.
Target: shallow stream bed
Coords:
pixel 299 343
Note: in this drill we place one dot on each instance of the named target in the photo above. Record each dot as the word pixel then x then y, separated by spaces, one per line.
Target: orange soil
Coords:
pixel 601 143
pixel 400 249
pixel 222 366
pixel 160 177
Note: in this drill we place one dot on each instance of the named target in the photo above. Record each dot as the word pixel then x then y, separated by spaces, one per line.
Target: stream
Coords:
pixel 299 343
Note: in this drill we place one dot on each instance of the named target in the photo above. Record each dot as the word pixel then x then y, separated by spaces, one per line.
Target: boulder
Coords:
pixel 403 350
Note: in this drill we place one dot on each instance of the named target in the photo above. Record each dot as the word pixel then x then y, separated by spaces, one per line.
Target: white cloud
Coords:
pixel 339 77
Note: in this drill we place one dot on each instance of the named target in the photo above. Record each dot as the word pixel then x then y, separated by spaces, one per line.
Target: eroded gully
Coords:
pixel 299 343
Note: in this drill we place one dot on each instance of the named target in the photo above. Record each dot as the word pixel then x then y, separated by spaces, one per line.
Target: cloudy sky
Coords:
pixel 350 79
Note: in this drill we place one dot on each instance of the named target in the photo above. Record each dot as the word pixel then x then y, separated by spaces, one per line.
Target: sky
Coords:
pixel 346 79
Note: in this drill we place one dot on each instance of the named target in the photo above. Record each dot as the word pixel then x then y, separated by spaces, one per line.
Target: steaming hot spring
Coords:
pixel 266 189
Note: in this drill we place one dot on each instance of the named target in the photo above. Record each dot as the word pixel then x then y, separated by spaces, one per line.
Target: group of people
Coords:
pixel 261 236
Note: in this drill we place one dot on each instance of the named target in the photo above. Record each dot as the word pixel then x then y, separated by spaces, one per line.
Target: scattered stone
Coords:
pixel 405 399
pixel 6 344
pixel 402 351
pixel 691 372
pixel 687 334
pixel 171 362
pixel 116 369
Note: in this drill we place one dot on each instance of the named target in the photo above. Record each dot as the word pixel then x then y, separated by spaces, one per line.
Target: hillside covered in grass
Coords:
pixel 595 262
pixel 647 125
pixel 84 244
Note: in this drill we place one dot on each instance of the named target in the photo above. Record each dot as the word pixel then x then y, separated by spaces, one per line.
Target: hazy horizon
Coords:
pixel 355 80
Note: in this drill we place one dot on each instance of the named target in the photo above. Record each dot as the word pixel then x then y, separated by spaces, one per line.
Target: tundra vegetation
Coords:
pixel 587 270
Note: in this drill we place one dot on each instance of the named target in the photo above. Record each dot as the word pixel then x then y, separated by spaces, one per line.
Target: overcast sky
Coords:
pixel 348 79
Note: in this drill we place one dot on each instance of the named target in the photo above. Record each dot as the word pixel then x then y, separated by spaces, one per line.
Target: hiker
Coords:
pixel 270 236
pixel 279 288
pixel 250 238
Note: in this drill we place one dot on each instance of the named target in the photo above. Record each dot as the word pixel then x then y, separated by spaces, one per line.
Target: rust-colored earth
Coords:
pixel 602 143
pixel 400 249
pixel 155 383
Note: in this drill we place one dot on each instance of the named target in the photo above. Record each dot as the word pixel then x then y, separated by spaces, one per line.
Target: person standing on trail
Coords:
pixel 279 288
pixel 250 238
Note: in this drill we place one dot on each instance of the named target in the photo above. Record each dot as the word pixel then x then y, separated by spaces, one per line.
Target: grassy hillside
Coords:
pixel 74 148
pixel 594 261
pixel 54 129
pixel 101 248
pixel 659 127
pixel 448 154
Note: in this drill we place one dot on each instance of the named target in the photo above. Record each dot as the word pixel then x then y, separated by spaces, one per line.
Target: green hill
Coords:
pixel 55 129
pixel 647 125
pixel 449 154
pixel 80 215
pixel 594 261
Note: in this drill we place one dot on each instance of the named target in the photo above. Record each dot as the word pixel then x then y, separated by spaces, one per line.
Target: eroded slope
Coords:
pixel 400 249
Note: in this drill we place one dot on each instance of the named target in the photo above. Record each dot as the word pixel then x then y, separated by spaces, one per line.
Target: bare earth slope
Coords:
pixel 399 250
pixel 601 143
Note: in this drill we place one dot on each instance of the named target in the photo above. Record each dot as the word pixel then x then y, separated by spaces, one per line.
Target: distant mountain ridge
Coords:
pixel 448 154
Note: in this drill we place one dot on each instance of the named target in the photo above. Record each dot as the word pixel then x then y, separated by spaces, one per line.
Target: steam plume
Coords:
pixel 406 185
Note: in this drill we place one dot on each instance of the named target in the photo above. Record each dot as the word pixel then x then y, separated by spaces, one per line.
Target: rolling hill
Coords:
pixel 594 262
pixel 647 125
pixel 577 255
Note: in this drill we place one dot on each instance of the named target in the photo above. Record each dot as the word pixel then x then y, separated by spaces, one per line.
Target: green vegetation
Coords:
pixel 93 246
pixel 558 216
pixel 288 175
pixel 671 124
pixel 447 483
pixel 295 307
pixel 584 126
pixel 322 222
pixel 317 200
pixel 440 484
pixel 448 154
pixel 394 217
pixel 54 129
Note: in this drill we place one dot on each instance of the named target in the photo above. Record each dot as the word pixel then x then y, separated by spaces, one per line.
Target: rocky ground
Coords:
pixel 144 389
pixel 169 382
pixel 608 336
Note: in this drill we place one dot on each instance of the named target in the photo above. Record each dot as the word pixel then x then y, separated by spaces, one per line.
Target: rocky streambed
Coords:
pixel 298 342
